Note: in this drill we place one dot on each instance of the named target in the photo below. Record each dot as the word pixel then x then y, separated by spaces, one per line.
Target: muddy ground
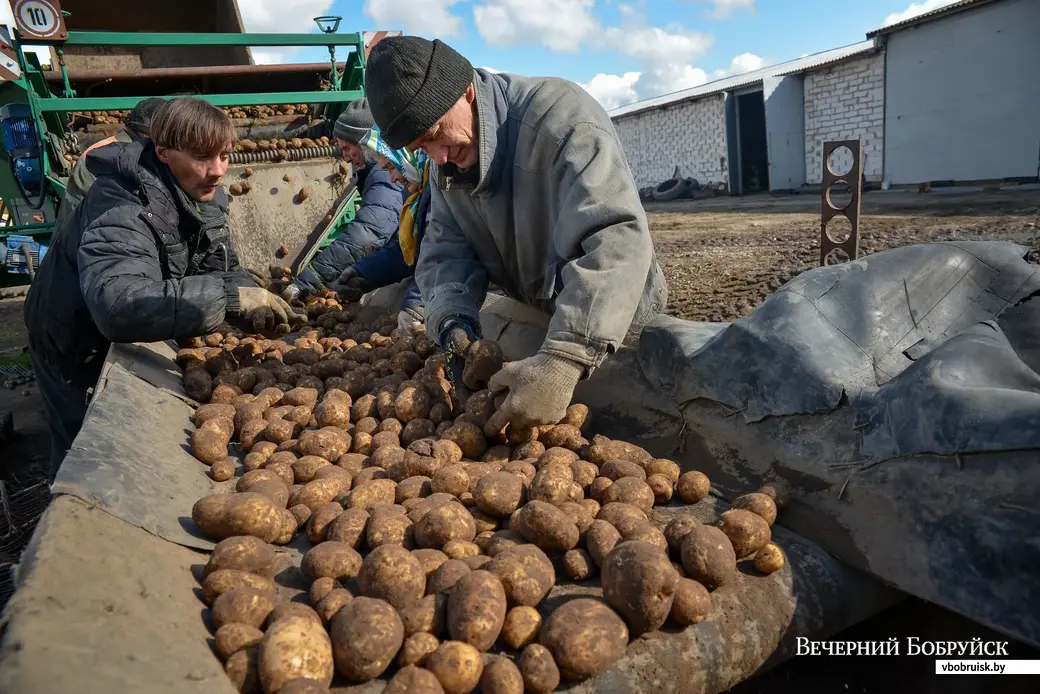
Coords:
pixel 722 257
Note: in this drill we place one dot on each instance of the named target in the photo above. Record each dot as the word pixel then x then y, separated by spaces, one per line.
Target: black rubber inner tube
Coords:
pixel 667 185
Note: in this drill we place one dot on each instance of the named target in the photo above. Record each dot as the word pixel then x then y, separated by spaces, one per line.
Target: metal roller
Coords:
pixel 272 155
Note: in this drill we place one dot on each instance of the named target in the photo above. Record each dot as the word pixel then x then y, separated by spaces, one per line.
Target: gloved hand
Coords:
pixel 292 292
pixel 455 342
pixel 409 318
pixel 266 313
pixel 539 390
pixel 260 280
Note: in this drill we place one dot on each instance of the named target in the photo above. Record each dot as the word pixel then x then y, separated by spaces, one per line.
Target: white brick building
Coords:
pixel 846 101
pixel 946 96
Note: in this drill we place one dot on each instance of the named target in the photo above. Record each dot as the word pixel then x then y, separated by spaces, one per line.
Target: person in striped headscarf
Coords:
pixel 395 261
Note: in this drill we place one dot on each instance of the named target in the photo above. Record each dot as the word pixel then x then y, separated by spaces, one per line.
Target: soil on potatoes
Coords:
pixel 724 256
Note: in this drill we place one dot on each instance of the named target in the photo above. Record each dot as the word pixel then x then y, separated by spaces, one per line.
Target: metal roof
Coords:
pixel 803 64
pixel 953 7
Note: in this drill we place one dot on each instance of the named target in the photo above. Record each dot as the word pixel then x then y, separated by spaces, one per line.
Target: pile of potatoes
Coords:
pixel 433 542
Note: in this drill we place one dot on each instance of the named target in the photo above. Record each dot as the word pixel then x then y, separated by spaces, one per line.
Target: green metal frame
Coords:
pixel 46 107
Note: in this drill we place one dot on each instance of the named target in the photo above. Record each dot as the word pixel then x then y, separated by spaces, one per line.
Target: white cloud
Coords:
pixel 724 9
pixel 613 90
pixel 281 16
pixel 745 62
pixel 914 9
pixel 264 57
pixel 490 69
pixel 431 18
pixel 559 25
pixel 655 46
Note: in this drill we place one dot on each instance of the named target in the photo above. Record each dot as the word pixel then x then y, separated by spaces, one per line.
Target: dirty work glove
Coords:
pixel 260 280
pixel 539 390
pixel 262 309
pixel 409 318
pixel 350 285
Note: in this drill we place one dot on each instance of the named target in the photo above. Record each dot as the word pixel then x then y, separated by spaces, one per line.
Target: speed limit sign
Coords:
pixel 39 19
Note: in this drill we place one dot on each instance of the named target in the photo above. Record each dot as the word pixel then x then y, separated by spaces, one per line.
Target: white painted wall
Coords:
pixel 963 96
pixel 690 135
pixel 843 102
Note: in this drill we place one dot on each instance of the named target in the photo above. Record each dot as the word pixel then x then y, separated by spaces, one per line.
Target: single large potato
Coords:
pixel 692 486
pixel 708 556
pixel 223 580
pixel 468 437
pixel 336 560
pixel 692 602
pixel 443 523
pixel 319 492
pixel 366 635
pixel 328 442
pixel 526 573
pixel 226 515
pixel 208 445
pixel 539 670
pixel 413 680
pixel 295 647
pixel 748 532
pixel 477 609
pixel 457 666
pixel 639 582
pixel 445 576
pixel 483 360
pixel 552 484
pixel 677 529
pixel 242 606
pixel 600 539
pixel 603 450
pixel 616 469
pixel 501 676
pixel 546 526
pixel 392 574
pixel 630 490
pixel 372 493
pixel 429 615
pixel 349 527
pixel 417 647
pixel 242 553
pixel 521 626
pixel 231 638
pixel 390 529
pixel 585 638
pixel 498 494
pixel 758 503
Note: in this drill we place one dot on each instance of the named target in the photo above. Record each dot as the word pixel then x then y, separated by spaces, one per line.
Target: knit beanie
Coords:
pixel 411 82
pixel 140 119
pixel 354 122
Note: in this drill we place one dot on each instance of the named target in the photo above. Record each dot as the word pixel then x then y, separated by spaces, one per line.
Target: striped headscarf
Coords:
pixel 415 167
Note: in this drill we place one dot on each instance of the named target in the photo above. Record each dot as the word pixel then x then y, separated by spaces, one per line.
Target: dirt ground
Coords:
pixel 723 256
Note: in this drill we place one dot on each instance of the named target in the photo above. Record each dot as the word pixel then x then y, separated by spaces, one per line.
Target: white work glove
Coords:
pixel 539 390
pixel 407 319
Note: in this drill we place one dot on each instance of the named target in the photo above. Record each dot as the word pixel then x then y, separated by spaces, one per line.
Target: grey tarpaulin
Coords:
pixel 908 335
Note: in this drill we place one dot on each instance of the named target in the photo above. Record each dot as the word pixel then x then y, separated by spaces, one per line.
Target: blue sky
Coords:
pixel 621 51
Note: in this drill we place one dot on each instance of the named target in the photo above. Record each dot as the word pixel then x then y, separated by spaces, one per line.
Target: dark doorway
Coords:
pixel 754 161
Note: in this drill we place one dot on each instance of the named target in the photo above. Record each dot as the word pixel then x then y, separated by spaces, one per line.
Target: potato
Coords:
pixel 320 588
pixel 226 515
pixel 280 430
pixel 332 603
pixel 430 559
pixel 552 484
pixel 538 669
pixel 428 615
pixel 373 493
pixel 477 609
pixel 208 446
pixel 663 466
pixel 642 531
pixel 443 523
pixel 445 576
pixel 521 626
pixel 708 556
pixel 526 573
pixel 385 439
pixel 759 504
pixel 319 492
pixel 603 450
pixel 319 521
pixel 483 360
pixel 225 393
pixel 561 456
pixel 691 603
pixel 232 638
pixel 329 443
pixel 616 513
pixel 747 531
pixel 676 530
pixel 468 437
pixel 451 479
pixel 498 493
pixel 223 580
pixel 662 488
pixel 392 574
pixel 598 487
pixel 577 416
pixel 778 492
pixel 692 486
pixel 225 428
pixel 242 606
pixel 457 549
pixel 501 676
pixel 413 680
pixel 769 559
pixel 333 559
pixel 546 526
pixel 390 529
pixel 242 553
pixel 585 637
pixel 412 403
pixel 211 410
pixel 293 609
pixel 366 635
pixel 349 527
pixel 222 470
pixel 417 648
pixel 301 396
pixel 457 666
pixel 284 476
pixel 639 582
pixel 369 474
pixel 531 449
pixel 241 669
pixel 305 467
pixel 301 416
pixel 563 436
pixel 632 491
pixel 368 425
pixel 295 647
pixel 302 685
pixel 416 430
pixel 417 487
pixel 579 565
pixel 198 384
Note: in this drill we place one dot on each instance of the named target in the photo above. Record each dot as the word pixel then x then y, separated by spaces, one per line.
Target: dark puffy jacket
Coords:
pixel 387 266
pixel 138 261
pixel 375 222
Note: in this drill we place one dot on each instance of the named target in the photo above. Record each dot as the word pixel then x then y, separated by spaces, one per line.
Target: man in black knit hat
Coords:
pixel 532 192
pixel 376 220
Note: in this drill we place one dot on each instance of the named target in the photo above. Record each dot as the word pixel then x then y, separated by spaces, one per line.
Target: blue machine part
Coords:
pixel 21 143
pixel 15 246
